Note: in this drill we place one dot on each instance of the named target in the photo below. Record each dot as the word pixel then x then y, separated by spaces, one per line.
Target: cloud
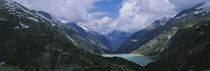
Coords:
pixel 137 14
pixel 71 10
pixel 134 15
pixel 102 26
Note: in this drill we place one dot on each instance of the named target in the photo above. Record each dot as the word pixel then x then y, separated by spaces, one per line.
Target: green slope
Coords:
pixel 185 19
pixel 32 43
pixel 188 50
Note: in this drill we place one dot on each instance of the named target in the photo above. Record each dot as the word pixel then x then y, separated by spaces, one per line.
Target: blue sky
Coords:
pixel 111 7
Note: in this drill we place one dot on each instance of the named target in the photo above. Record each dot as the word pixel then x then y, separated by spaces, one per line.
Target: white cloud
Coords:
pixel 72 10
pixel 96 14
pixel 101 26
pixel 134 15
pixel 137 14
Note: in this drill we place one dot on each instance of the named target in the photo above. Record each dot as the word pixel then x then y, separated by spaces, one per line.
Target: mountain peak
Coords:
pixel 85 27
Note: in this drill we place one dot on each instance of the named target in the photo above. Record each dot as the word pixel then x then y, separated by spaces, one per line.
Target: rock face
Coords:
pixel 140 38
pixel 31 42
pixel 183 20
pixel 89 40
pixel 96 39
pixel 188 50
pixel 181 44
pixel 117 38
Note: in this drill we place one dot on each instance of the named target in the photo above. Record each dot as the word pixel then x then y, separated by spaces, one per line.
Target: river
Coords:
pixel 136 58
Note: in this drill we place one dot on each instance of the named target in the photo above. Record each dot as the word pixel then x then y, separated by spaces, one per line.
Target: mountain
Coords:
pixel 117 37
pixel 43 14
pixel 141 37
pixel 90 41
pixel 99 40
pixel 185 19
pixel 91 36
pixel 188 49
pixel 31 42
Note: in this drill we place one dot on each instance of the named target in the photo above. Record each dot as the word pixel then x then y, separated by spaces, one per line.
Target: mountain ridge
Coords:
pixel 134 41
pixel 184 19
pixel 33 43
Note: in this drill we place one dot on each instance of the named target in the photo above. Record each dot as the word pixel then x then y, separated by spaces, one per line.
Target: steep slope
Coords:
pixel 83 42
pixel 140 38
pixel 92 37
pixel 95 38
pixel 185 19
pixel 187 50
pixel 117 38
pixel 77 34
pixel 32 43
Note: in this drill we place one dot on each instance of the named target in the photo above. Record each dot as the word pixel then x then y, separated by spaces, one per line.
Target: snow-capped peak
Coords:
pixel 85 27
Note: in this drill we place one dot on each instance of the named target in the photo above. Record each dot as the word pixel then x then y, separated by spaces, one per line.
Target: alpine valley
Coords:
pixel 32 40
pixel 181 44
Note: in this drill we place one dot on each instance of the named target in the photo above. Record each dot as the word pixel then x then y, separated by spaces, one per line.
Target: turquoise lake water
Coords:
pixel 138 59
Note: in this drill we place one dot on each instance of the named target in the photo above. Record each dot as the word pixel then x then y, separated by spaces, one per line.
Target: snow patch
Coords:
pixel 53 25
pixel 31 18
pixel 53 48
pixel 23 25
pixel 203 14
pixel 201 33
pixel 196 12
pixel 70 39
pixel 135 40
pixel 2 63
pixel 12 6
pixel 3 19
pixel 179 17
pixel 63 21
pixel 43 17
pixel 85 27
pixel 197 27
pixel 17 27
pixel 162 49
pixel 59 50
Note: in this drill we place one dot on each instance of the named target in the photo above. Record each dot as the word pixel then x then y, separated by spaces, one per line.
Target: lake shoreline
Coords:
pixel 136 58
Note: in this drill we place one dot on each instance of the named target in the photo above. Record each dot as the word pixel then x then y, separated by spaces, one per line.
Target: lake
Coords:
pixel 138 59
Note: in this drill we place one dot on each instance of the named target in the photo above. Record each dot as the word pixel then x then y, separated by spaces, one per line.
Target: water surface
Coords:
pixel 138 59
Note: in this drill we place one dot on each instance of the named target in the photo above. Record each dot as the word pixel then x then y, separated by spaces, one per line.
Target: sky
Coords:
pixel 105 16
